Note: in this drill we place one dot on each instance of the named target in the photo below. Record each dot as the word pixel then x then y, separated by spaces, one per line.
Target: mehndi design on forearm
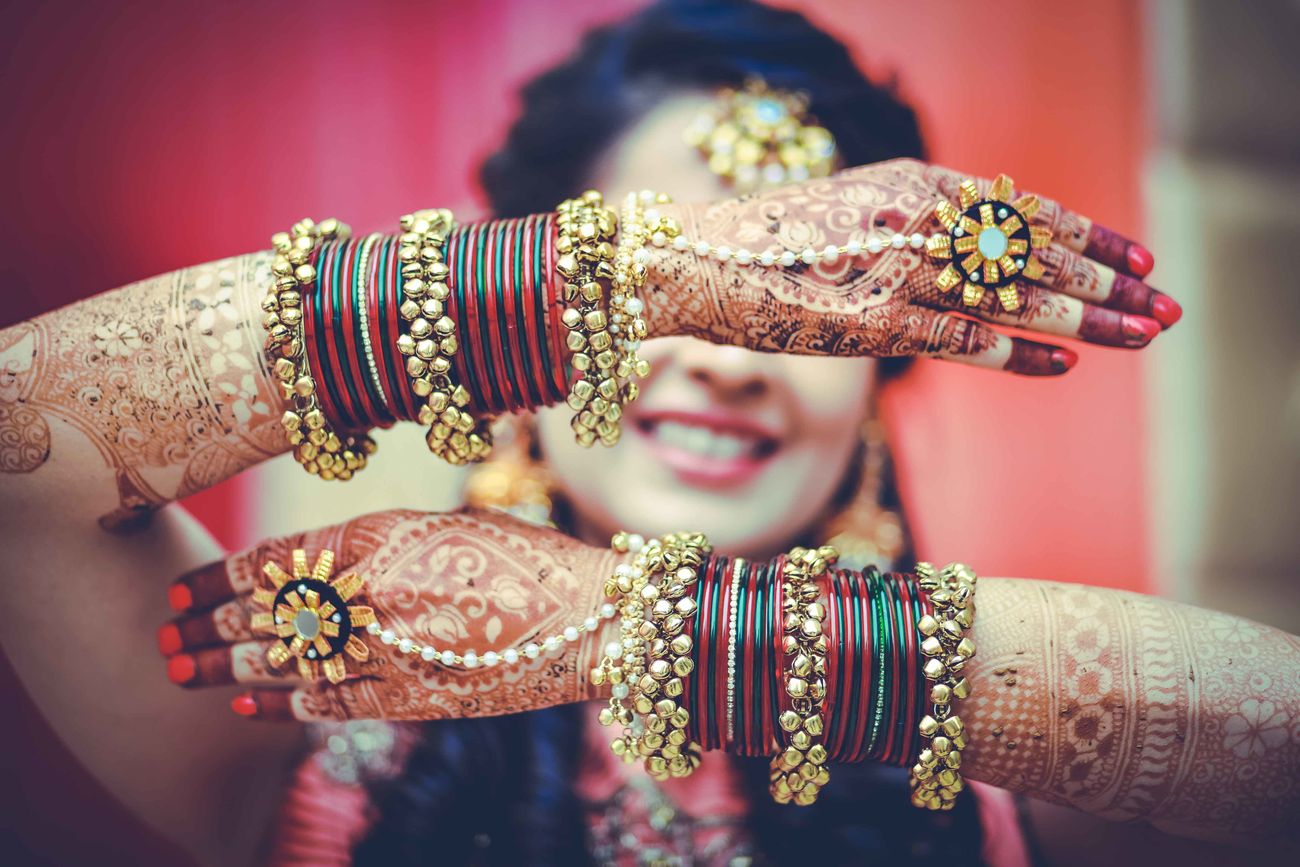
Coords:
pixel 165 377
pixel 1135 708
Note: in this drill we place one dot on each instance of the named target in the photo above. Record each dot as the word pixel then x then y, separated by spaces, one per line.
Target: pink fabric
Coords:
pixel 320 822
pixel 1004 839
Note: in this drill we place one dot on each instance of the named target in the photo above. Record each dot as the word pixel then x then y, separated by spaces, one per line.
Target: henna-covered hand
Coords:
pixel 888 304
pixel 460 581
pixel 1125 706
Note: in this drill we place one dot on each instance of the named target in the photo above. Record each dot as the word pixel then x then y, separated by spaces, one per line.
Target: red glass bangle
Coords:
pixel 460 262
pixel 556 333
pixel 723 653
pixel 354 356
pixel 339 377
pixel 826 589
pixel 517 321
pixel 508 313
pixel 489 295
pixel 893 658
pixel 773 658
pixel 532 305
pixel 746 670
pixel 757 636
pixel 850 647
pixel 699 653
pixel 920 687
pixel 476 296
pixel 409 398
pixel 765 681
pixel 506 303
pixel 859 599
pixel 379 347
pixel 332 374
pixel 312 325
pixel 910 673
pixel 700 641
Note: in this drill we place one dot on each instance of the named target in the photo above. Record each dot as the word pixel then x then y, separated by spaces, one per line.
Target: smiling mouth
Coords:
pixel 710 443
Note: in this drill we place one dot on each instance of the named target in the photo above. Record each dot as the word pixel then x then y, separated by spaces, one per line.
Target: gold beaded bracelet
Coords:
pixel 636 226
pixel 586 262
pixel 799 772
pixel 316 446
pixel 650 664
pixel 935 778
pixel 429 341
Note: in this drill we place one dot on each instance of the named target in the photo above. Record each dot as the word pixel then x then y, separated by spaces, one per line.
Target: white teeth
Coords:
pixel 702 441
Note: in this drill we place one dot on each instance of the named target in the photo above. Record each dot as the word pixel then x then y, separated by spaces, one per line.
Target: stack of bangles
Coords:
pixel 451 325
pixel 793 659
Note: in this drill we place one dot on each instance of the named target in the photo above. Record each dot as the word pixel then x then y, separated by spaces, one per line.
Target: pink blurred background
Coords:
pixel 145 137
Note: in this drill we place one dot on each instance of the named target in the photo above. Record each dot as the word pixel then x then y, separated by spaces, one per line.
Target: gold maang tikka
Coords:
pixel 756 136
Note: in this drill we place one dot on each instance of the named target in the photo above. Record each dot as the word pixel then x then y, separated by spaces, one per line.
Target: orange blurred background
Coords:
pixel 147 139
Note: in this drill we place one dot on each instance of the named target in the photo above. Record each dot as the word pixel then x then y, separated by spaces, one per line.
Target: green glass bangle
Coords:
pixel 861 699
pixel 845 699
pixel 481 269
pixel 339 333
pixel 738 696
pixel 399 389
pixel 899 721
pixel 359 335
pixel 716 665
pixel 763 676
pixel 879 640
pixel 509 260
pixel 460 271
pixel 540 280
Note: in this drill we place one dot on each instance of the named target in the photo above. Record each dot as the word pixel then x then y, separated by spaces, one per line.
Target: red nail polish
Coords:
pixel 179 597
pixel 1166 310
pixel 1063 360
pixel 169 639
pixel 244 705
pixel 1139 330
pixel 181 668
pixel 1140 260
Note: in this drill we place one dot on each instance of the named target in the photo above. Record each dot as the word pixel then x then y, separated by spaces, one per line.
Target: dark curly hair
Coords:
pixel 500 791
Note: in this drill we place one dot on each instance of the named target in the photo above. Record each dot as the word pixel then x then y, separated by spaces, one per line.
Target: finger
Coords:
pixel 1049 312
pixel 244 662
pixel 1083 278
pixel 352 699
pixel 1098 243
pixel 222 580
pixel 967 341
pixel 228 623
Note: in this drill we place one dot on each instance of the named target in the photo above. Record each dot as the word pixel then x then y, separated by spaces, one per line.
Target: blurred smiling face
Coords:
pixel 748 447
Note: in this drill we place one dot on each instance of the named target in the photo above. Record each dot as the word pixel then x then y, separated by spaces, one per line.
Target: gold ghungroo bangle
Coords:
pixel 656 601
pixel 799 772
pixel 936 778
pixel 586 262
pixel 316 446
pixel 429 341
pixel 636 225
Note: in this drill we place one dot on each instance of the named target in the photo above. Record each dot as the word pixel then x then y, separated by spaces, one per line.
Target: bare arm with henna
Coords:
pixel 1121 705
pixel 888 304
pixel 165 379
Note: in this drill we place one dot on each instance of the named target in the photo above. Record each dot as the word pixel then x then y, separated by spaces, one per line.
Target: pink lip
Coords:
pixel 708 472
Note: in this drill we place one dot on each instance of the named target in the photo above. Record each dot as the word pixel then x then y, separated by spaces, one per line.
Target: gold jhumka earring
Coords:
pixel 865 531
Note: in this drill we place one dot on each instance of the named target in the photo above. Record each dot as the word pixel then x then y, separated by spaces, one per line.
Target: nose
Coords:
pixel 730 372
